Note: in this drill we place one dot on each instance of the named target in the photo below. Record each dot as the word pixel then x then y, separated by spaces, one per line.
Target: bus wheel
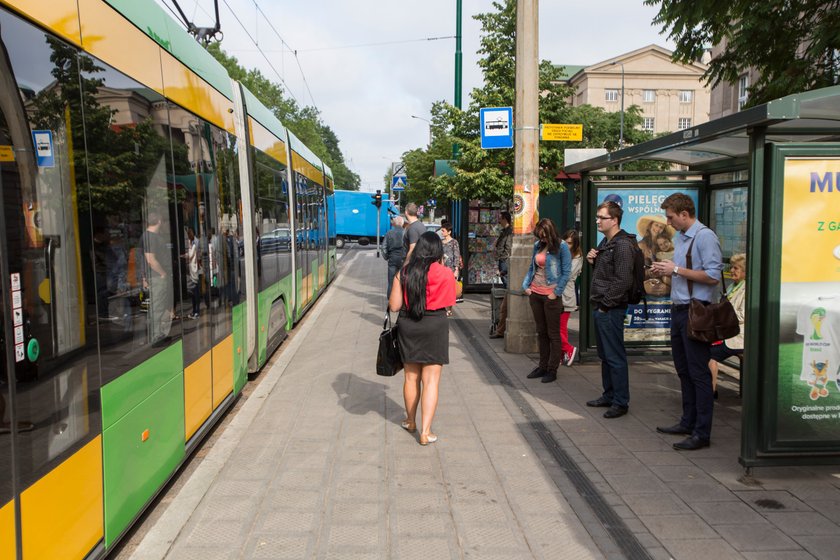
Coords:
pixel 339 242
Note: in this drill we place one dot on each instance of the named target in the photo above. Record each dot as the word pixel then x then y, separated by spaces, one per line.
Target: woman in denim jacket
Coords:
pixel 544 284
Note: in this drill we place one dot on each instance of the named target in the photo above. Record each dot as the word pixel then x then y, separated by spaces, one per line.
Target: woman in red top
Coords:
pixel 422 291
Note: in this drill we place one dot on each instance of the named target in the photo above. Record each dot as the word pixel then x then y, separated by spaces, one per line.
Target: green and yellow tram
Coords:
pixel 160 232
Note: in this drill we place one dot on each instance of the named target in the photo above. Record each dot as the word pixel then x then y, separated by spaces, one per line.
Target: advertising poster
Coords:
pixel 644 218
pixel 809 303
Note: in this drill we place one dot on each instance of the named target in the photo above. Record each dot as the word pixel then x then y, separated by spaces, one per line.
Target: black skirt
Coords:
pixel 425 341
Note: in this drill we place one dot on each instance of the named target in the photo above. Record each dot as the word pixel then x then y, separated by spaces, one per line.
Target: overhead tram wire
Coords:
pixel 282 81
pixel 295 52
pixel 423 40
pixel 362 45
pixel 279 76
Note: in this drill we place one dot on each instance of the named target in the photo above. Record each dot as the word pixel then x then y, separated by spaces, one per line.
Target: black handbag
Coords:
pixel 388 359
pixel 710 322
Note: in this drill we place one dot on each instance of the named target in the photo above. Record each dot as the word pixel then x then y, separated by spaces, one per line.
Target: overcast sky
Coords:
pixel 368 93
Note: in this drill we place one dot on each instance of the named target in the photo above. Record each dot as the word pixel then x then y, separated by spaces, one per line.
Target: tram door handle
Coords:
pixel 53 242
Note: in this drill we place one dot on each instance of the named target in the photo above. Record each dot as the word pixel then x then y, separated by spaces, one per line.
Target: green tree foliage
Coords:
pixel 488 174
pixel 305 123
pixel 793 44
pixel 112 165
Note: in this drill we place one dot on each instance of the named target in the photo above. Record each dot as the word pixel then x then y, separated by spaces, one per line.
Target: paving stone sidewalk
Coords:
pixel 315 464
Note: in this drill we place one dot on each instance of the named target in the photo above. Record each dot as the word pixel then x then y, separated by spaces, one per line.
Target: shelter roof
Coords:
pixel 812 116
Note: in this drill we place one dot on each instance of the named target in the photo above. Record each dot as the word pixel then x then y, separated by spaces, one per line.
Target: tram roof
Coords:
pixel 724 143
pixel 166 32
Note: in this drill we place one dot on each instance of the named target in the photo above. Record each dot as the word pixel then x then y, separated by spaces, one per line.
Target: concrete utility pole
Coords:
pixel 520 335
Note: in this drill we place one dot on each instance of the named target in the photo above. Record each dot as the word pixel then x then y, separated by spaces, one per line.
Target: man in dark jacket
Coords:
pixel 612 280
pixel 394 251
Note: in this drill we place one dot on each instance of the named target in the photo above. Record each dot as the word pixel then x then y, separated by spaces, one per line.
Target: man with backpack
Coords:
pixel 614 262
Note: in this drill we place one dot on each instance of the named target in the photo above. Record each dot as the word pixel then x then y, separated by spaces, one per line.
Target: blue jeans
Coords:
pixel 691 359
pixel 609 335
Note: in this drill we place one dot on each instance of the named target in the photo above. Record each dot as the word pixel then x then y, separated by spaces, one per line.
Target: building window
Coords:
pixel 685 95
pixel 683 123
pixel 611 95
pixel 647 124
pixel 649 96
pixel 743 86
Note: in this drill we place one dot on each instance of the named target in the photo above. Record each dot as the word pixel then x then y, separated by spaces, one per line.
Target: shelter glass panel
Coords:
pixel 808 392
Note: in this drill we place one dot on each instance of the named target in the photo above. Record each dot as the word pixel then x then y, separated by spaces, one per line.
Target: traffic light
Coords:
pixel 377 198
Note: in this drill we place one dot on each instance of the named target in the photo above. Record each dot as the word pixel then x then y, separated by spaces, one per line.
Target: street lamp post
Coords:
pixel 430 126
pixel 621 122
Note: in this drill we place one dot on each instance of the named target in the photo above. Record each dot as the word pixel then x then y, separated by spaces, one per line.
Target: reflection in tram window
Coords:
pixel 274 243
pixel 49 245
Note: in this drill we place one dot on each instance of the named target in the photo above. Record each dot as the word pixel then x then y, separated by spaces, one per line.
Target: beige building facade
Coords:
pixel 728 98
pixel 671 96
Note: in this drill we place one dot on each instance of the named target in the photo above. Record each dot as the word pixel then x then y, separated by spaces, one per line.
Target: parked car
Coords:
pixel 431 226
pixel 276 241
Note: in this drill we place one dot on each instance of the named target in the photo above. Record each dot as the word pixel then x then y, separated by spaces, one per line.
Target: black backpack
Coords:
pixel 637 292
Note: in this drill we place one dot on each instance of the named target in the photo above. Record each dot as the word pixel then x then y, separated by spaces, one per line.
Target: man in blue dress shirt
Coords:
pixel 691 357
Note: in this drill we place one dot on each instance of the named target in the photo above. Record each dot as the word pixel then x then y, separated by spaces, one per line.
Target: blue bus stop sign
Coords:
pixel 496 127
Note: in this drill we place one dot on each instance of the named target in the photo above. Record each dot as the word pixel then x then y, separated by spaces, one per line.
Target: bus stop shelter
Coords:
pixel 767 180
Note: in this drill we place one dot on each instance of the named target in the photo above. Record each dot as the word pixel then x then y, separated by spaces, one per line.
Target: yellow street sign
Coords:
pixel 6 153
pixel 562 132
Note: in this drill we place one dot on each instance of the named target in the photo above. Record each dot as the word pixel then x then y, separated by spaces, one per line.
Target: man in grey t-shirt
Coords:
pixel 414 231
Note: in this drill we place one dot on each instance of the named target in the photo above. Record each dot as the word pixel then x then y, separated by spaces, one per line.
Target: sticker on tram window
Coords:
pixel 7 153
pixel 17 301
pixel 19 352
pixel 19 335
pixel 18 317
pixel 43 141
pixel 15 280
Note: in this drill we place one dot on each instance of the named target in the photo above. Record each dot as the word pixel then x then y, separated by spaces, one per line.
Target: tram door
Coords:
pixel 50 424
pixel 303 252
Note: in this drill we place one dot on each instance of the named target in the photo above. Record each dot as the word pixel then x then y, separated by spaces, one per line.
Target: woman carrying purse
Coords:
pixel 422 291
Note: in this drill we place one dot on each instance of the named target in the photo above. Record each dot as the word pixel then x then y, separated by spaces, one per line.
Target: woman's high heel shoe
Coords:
pixel 409 427
pixel 427 439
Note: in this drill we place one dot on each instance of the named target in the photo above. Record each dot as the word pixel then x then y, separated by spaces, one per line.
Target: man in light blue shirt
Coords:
pixel 699 281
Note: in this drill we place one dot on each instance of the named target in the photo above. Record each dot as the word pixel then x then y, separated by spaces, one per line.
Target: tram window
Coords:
pixel 195 181
pixel 274 245
pixel 48 243
pixel 128 177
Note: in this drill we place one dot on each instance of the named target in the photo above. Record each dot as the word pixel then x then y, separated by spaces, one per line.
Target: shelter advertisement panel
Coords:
pixel 644 218
pixel 808 397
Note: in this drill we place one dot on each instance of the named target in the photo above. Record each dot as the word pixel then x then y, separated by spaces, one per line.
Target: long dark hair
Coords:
pixel 574 247
pixel 546 228
pixel 428 250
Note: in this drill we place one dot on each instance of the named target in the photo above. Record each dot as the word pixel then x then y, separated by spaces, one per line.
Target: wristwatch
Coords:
pixel 676 270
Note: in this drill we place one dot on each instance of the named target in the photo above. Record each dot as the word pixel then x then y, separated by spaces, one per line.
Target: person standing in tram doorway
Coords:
pixel 698 281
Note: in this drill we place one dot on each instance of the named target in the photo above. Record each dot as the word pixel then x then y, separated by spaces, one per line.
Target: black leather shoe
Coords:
pixel 691 443
pixel 676 429
pixel 599 402
pixel 615 411
pixel 536 372
pixel 549 377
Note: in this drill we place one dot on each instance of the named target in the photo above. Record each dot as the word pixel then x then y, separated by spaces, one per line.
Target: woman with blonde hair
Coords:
pixel 736 295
